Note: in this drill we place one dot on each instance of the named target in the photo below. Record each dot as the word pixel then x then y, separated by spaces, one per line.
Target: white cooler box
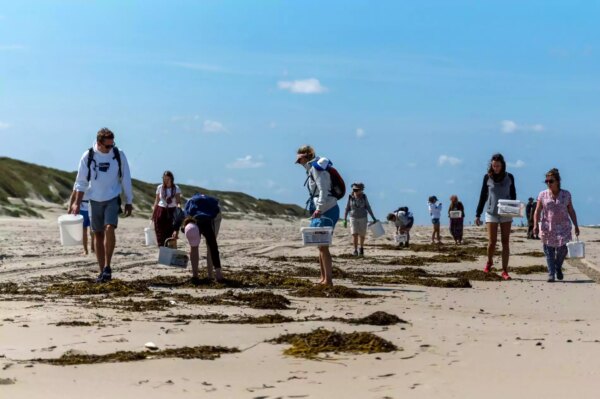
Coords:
pixel 455 214
pixel 400 238
pixel 511 208
pixel 317 236
pixel 576 249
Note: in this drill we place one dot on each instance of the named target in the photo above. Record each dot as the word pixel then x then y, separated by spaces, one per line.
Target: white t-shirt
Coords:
pixel 163 195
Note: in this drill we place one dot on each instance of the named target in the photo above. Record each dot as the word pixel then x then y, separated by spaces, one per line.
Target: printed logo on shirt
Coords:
pixel 104 166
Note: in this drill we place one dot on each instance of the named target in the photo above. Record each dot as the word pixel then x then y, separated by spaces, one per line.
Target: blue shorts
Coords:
pixel 435 221
pixel 86 218
pixel 103 213
pixel 327 219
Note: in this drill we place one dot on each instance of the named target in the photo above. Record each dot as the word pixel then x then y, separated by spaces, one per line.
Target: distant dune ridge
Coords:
pixel 25 188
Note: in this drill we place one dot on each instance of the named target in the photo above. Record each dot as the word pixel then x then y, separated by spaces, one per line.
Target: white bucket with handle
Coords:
pixel 376 228
pixel 150 235
pixel 172 257
pixel 71 230
pixel 576 249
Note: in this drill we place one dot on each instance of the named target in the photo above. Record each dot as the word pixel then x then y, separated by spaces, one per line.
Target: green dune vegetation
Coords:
pixel 21 182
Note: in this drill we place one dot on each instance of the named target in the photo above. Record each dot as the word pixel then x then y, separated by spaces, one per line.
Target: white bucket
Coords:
pixel 150 235
pixel 317 236
pixel 400 238
pixel 511 208
pixel 71 229
pixel 576 249
pixel 376 229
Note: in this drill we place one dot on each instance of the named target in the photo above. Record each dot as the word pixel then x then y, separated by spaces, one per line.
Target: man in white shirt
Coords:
pixel 103 172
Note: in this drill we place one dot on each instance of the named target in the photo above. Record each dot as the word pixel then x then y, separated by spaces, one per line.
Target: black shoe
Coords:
pixel 550 279
pixel 361 251
pixel 195 281
pixel 355 253
pixel 559 274
pixel 99 278
pixel 106 274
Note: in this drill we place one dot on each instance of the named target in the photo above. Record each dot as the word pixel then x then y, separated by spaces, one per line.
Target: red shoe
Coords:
pixel 505 276
pixel 488 267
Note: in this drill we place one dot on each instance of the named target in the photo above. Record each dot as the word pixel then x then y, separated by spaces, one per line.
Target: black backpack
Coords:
pixel 117 156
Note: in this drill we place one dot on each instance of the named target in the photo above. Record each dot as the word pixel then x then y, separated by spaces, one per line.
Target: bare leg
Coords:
pixel 327 265
pixel 362 241
pixel 437 233
pixel 505 237
pixel 322 267
pixel 85 241
pixel 194 260
pixel 99 243
pixel 92 241
pixel 355 241
pixel 492 229
pixel 109 243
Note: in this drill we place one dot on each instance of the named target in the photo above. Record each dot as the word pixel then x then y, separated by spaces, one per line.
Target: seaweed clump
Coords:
pixel 310 345
pixel 259 300
pixel 327 291
pixel 528 269
pixel 113 287
pixel 274 318
pixel 535 254
pixel 476 275
pixel 186 352
pixel 73 323
pixel 378 319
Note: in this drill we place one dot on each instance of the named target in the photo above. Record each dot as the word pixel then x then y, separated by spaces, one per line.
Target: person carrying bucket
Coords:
pixel 166 203
pixel 551 220
pixel 322 202
pixel 435 211
pixel 202 216
pixel 103 173
pixel 404 220
pixel 359 208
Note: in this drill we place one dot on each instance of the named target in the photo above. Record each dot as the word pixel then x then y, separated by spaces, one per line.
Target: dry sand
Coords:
pixel 525 338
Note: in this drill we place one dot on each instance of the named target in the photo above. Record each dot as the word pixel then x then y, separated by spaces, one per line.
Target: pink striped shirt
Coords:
pixel 555 225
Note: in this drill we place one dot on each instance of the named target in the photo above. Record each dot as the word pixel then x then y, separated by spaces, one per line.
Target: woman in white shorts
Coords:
pixel 497 184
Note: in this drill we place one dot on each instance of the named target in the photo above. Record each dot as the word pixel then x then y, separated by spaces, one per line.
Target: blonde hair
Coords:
pixel 307 150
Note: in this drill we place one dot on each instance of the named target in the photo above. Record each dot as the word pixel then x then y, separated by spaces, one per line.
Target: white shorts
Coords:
pixel 358 226
pixel 489 218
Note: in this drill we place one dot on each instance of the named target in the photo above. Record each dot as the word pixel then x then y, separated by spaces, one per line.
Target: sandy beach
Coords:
pixel 523 338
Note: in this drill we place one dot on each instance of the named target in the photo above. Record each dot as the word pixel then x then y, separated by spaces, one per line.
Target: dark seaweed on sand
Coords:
pixel 310 345
pixel 196 352
pixel 327 291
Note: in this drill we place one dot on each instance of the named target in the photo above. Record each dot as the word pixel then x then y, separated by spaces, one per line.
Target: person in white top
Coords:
pixel 166 204
pixel 435 211
pixel 103 173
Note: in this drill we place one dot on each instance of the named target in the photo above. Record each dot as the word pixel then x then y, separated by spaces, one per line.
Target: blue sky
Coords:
pixel 410 98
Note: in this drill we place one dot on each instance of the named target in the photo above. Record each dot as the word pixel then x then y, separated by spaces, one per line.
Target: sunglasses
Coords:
pixel 549 181
pixel 356 190
pixel 108 146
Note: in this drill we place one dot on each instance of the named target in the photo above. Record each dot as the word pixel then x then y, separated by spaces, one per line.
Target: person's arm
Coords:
pixel 178 200
pixel 126 184
pixel 81 184
pixel 513 189
pixel 536 215
pixel 369 208
pixel 348 205
pixel 483 196
pixel 323 182
pixel 573 216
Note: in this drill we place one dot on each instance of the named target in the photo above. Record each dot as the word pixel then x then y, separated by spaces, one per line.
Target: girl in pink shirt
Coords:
pixel 555 207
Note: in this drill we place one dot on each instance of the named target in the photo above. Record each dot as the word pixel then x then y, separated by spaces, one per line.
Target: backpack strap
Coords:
pixel 89 162
pixel 117 156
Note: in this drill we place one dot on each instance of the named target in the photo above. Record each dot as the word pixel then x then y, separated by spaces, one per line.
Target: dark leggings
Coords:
pixel 207 230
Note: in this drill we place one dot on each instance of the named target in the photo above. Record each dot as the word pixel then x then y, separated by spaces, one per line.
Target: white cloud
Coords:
pixel 518 164
pixel 4 125
pixel 213 127
pixel 360 133
pixel 306 86
pixel 247 162
pixel 447 159
pixel 272 125
pixel 508 126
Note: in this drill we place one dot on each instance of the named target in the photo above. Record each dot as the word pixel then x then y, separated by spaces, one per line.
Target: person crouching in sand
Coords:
pixel 322 204
pixel 200 214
